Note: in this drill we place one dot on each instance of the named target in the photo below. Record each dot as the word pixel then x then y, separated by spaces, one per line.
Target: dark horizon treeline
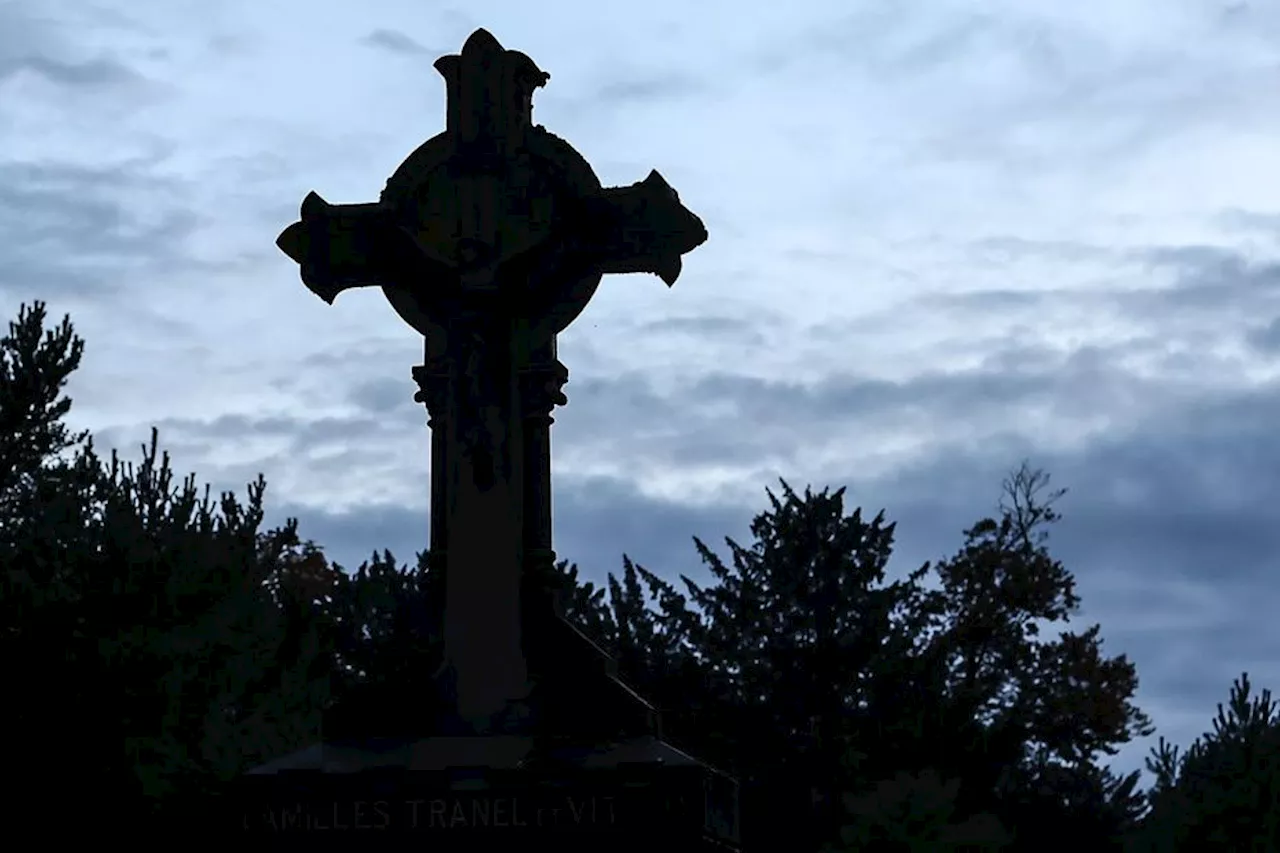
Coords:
pixel 157 643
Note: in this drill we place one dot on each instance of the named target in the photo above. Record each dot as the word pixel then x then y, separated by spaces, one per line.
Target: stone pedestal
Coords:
pixel 488 793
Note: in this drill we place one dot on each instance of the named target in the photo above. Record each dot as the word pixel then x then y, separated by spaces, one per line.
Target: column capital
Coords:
pixel 540 386
pixel 433 389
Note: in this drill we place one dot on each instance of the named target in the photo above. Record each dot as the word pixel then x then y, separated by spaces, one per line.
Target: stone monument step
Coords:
pixel 480 793
pixel 490 751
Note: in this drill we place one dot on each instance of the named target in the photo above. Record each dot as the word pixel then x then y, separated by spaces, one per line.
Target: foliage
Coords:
pixel 823 684
pixel 1223 793
pixel 143 628
pixel 1081 806
pixel 35 364
pixel 914 812
pixel 386 646
pixel 1045 707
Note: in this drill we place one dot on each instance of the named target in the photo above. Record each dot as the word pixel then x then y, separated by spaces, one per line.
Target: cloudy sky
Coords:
pixel 945 236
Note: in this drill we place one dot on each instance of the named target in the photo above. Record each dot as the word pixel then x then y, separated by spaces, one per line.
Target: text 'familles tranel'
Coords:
pixel 436 815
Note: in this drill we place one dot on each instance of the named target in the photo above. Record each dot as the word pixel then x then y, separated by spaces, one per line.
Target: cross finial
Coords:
pixel 489 91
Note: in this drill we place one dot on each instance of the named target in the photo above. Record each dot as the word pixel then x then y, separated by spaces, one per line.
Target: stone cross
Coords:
pixel 489 240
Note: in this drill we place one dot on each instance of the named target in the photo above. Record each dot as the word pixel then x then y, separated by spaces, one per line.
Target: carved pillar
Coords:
pixel 540 384
pixel 470 382
pixel 433 389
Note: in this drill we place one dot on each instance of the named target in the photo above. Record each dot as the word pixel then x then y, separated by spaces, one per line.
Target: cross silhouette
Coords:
pixel 489 240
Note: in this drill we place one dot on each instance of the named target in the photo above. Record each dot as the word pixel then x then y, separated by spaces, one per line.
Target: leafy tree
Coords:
pixel 146 648
pixel 760 671
pixel 34 367
pixel 795 633
pixel 823 686
pixel 1080 806
pixel 387 645
pixel 915 812
pixel 1223 793
pixel 1047 707
pixel 997 595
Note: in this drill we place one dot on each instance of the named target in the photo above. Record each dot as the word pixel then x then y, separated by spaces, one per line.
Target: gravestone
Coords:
pixel 489 240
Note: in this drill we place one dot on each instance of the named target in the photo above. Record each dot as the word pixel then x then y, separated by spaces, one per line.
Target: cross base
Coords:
pixel 576 692
pixel 488 794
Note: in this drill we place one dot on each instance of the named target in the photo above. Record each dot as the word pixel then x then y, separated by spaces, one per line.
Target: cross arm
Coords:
pixel 638 228
pixel 341 246
pixel 644 228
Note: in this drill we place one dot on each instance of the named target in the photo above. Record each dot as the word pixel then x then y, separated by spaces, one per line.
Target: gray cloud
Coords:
pixel 32 43
pixel 305 437
pixel 643 89
pixel 379 396
pixel 623 95
pixel 1251 222
pixel 1266 338
pixel 998 250
pixel 398 42
pixel 726 418
pixel 706 327
pixel 597 521
pixel 1193 292
pixel 89 228
pixel 1013 88
pixel 93 73
pixel 1211 279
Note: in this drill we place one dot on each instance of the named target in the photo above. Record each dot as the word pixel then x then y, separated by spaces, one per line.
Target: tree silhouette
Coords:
pixel 915 812
pixel 146 654
pixel 826 687
pixel 386 647
pixel 1047 707
pixel 1223 793
pixel 35 364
